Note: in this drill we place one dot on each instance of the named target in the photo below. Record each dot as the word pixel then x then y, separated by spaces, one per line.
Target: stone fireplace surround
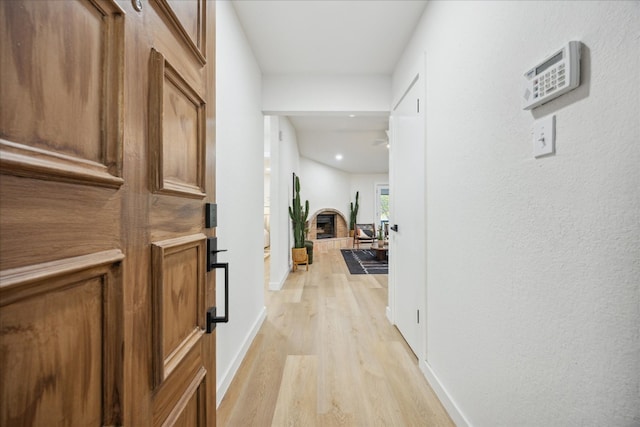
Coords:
pixel 342 229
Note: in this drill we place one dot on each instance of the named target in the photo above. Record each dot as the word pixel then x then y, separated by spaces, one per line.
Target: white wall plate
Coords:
pixel 544 136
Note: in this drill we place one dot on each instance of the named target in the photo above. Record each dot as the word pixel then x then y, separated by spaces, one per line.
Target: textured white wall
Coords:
pixel 533 264
pixel 239 190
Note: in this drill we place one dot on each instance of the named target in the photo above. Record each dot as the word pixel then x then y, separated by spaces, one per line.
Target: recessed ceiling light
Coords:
pixel 338 156
pixel 352 115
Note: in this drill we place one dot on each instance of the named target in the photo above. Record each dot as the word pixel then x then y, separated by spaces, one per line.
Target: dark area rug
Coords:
pixel 363 261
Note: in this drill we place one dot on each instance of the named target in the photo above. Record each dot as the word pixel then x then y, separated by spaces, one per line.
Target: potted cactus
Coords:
pixel 298 216
pixel 380 237
pixel 353 215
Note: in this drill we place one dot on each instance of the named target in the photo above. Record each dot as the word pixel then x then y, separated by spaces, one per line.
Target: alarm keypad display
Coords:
pixel 555 76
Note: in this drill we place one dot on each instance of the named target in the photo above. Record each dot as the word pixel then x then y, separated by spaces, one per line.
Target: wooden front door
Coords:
pixel 107 112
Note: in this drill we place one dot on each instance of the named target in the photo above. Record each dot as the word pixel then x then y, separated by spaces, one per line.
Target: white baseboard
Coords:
pixel 276 286
pixel 389 315
pixel 225 380
pixel 454 412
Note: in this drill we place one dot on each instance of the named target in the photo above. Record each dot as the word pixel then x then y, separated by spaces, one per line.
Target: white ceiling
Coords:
pixel 362 141
pixel 332 37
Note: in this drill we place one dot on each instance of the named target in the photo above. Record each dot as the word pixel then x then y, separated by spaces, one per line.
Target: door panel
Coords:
pixel 190 410
pixel 177 391
pixel 61 328
pixel 178 307
pixel 176 131
pixel 105 166
pixel 65 90
pixel 189 20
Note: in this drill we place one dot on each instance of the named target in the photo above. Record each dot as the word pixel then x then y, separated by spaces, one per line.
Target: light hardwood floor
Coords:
pixel 327 356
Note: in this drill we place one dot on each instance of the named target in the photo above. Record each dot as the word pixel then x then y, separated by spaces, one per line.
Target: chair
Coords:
pixel 364 233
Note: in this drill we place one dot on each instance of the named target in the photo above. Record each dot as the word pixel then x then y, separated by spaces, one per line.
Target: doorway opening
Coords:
pixel 382 207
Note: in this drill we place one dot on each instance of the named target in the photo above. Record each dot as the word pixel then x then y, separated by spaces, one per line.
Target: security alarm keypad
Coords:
pixel 553 77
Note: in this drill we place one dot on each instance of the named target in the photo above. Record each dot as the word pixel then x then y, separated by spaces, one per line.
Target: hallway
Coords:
pixel 326 355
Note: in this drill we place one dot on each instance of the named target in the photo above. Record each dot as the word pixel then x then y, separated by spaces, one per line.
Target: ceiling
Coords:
pixel 361 141
pixel 333 37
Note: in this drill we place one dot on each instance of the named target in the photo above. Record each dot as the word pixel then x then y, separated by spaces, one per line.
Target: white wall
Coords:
pixel 267 173
pixel 267 203
pixel 325 187
pixel 304 93
pixel 329 188
pixel 533 264
pixel 285 160
pixel 239 191
pixel 365 184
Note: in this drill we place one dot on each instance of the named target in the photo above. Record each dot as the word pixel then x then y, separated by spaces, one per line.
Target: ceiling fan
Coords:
pixel 380 141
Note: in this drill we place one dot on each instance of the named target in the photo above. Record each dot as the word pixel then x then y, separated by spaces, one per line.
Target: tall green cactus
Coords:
pixel 353 212
pixel 298 216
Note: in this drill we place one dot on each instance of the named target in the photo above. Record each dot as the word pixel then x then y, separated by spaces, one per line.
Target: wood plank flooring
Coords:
pixel 327 356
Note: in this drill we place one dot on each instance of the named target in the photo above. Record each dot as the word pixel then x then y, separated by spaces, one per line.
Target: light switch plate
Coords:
pixel 544 136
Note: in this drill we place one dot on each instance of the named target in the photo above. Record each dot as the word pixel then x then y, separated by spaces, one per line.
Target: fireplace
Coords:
pixel 326 226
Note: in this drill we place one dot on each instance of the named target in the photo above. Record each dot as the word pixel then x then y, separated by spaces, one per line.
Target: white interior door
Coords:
pixel 407 275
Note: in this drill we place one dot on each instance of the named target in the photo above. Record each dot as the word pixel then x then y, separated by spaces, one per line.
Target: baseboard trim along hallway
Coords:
pixel 227 377
pixel 326 355
pixel 454 412
pixel 276 286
